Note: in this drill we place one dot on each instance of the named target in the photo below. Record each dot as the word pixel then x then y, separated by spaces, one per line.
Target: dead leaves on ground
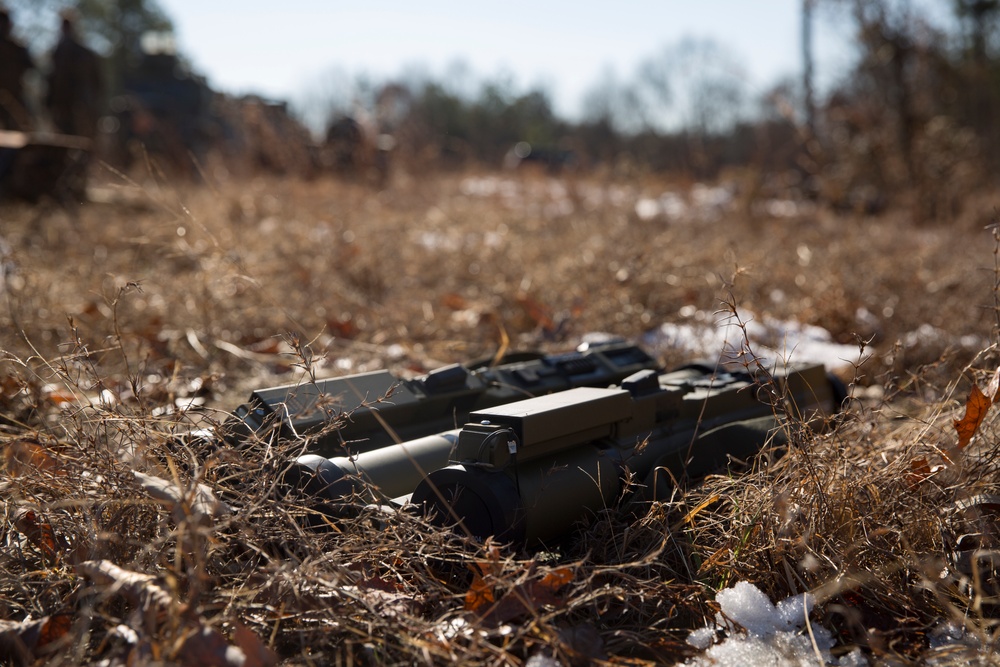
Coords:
pixel 155 606
pixel 159 627
pixel 21 642
pixel 23 456
pixel 493 599
pixel 977 406
pixel 40 535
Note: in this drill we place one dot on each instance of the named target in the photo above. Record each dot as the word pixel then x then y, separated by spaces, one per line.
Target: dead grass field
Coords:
pixel 161 306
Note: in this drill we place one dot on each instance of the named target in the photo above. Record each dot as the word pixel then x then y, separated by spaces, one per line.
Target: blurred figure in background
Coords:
pixel 15 61
pixel 75 86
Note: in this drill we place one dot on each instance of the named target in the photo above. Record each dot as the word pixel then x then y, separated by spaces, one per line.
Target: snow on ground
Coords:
pixel 756 632
pixel 750 630
pixel 713 337
pixel 8 267
pixel 696 334
pixel 699 203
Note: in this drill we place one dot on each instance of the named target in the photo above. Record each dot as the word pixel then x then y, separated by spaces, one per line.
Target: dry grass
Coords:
pixel 162 308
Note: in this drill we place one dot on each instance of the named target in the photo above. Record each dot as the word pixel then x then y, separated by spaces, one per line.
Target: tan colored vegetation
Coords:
pixel 160 308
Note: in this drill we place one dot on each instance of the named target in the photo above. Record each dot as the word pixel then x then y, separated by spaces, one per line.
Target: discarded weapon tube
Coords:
pixel 526 471
pixel 366 411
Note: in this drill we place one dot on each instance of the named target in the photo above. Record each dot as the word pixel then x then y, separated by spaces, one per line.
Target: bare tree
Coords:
pixel 978 19
pixel 711 85
pixel 808 92
pixel 695 84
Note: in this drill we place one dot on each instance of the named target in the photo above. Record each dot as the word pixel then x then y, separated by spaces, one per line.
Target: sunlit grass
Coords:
pixel 161 310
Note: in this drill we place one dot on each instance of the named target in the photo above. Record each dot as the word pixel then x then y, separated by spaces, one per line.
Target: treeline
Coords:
pixel 662 119
pixel 911 121
pixel 431 124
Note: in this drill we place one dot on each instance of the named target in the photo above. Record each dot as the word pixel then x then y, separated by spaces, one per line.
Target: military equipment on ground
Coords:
pixel 546 440
pixel 367 411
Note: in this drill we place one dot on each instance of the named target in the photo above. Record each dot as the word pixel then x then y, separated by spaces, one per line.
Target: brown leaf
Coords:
pixel 342 327
pixel 453 301
pixel 546 590
pixel 479 594
pixel 23 456
pixel 920 470
pixel 538 312
pixel 21 642
pixel 59 395
pixel 975 411
pixel 40 534
pixel 525 599
pixel 556 579
pixel 208 648
pixel 10 386
pixel 54 628
pixel 256 651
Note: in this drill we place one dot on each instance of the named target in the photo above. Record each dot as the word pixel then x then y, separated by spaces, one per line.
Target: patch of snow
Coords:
pixel 647 208
pixel 8 267
pixel 542 660
pixel 479 187
pixel 949 634
pixel 758 632
pixel 784 208
pixel 711 201
pixel 929 335
pixel 668 205
pixel 437 241
pixel 781 208
pixel 702 638
pixel 770 341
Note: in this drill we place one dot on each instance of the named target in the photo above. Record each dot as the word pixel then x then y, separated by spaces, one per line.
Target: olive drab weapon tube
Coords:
pixel 524 449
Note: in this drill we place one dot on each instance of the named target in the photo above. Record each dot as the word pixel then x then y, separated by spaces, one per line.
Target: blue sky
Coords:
pixel 253 46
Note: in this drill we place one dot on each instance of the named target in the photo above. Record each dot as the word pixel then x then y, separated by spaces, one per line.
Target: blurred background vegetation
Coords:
pixel 910 121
